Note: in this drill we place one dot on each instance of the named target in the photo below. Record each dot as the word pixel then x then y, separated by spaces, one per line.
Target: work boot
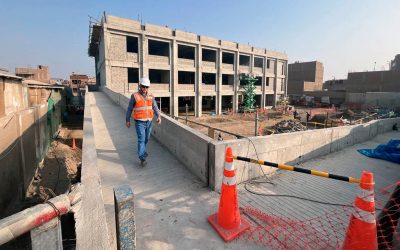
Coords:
pixel 143 163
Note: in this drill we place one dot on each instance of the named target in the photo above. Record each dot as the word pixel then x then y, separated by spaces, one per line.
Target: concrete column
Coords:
pixel 275 83
pixel 286 77
pixel 251 63
pixel 198 96
pixel 107 65
pixel 218 97
pixel 263 82
pixel 236 84
pixel 174 79
pixel 143 56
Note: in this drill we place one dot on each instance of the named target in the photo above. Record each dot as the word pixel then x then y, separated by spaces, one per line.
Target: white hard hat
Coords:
pixel 145 81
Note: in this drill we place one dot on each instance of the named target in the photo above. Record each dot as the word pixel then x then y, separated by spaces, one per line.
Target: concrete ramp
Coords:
pixel 171 204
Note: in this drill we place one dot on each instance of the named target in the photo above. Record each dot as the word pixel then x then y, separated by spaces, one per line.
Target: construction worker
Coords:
pixel 142 103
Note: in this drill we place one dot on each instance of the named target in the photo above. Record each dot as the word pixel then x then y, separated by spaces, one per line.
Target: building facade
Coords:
pixel 41 73
pixel 13 95
pixel 305 76
pixel 335 85
pixel 184 68
pixel 373 81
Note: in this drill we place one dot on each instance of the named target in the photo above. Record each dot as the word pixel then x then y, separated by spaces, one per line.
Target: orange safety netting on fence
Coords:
pixel 332 229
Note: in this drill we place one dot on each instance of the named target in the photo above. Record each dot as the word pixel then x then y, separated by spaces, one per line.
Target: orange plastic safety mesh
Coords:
pixel 327 231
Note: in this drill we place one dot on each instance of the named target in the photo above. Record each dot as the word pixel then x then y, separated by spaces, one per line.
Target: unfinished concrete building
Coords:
pixel 305 76
pixel 184 68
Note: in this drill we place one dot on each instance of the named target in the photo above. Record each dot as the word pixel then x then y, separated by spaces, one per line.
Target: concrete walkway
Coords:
pixel 172 205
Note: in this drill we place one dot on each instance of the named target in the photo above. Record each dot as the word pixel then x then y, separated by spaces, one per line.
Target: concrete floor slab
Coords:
pixel 172 205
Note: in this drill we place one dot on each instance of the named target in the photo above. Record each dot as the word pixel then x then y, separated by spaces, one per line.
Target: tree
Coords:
pixel 248 81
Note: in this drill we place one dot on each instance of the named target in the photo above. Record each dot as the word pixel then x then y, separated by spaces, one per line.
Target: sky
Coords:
pixel 344 35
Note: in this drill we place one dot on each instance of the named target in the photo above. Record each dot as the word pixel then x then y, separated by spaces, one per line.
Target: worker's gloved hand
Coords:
pixel 158 120
pixel 128 124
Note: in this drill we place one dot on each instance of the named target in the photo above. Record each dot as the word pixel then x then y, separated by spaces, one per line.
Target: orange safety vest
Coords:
pixel 143 109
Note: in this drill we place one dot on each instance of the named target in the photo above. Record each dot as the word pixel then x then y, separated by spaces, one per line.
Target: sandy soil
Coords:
pixel 242 124
pixel 57 171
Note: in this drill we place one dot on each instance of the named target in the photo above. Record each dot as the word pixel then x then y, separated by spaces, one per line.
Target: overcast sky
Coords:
pixel 345 36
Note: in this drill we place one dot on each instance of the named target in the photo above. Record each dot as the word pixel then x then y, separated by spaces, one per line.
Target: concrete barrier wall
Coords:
pixel 289 148
pixel 90 219
pixel 188 145
pixel 25 138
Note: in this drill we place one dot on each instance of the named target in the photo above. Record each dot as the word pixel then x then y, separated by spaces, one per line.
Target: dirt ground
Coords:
pixel 58 170
pixel 241 124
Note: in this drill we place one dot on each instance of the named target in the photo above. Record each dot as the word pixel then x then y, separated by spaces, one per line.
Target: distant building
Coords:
pixel 80 81
pixel 41 73
pixel 304 76
pixel 374 81
pixel 13 96
pixel 56 81
pixel 334 85
pixel 395 63
pixel 40 92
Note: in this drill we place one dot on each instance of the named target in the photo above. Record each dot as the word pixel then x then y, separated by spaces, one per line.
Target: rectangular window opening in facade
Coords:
pixel 208 78
pixel 268 63
pixel 159 76
pixel 158 48
pixel 258 100
pixel 267 79
pixel 208 104
pixel 186 77
pixel 228 58
pixel 227 102
pixel 241 76
pixel 283 68
pixel 133 75
pixel 258 62
pixel 209 55
pixel 183 101
pixel 269 100
pixel 186 52
pixel 244 60
pixel 259 81
pixel 228 79
pixel 132 44
pixel 163 104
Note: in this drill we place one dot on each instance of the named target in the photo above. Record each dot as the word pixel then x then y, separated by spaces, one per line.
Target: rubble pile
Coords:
pixel 287 126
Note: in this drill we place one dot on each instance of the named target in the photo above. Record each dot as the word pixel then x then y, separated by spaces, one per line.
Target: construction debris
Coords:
pixel 287 126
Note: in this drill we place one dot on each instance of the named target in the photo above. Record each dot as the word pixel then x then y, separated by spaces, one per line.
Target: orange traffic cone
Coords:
pixel 227 221
pixel 73 144
pixel 361 233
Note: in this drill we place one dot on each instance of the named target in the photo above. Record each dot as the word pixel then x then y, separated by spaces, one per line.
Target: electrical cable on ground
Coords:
pixel 274 184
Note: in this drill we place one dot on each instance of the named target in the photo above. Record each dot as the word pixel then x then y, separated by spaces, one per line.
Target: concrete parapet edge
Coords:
pixel 91 227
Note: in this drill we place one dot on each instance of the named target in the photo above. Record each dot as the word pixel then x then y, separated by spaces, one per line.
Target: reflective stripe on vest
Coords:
pixel 143 109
